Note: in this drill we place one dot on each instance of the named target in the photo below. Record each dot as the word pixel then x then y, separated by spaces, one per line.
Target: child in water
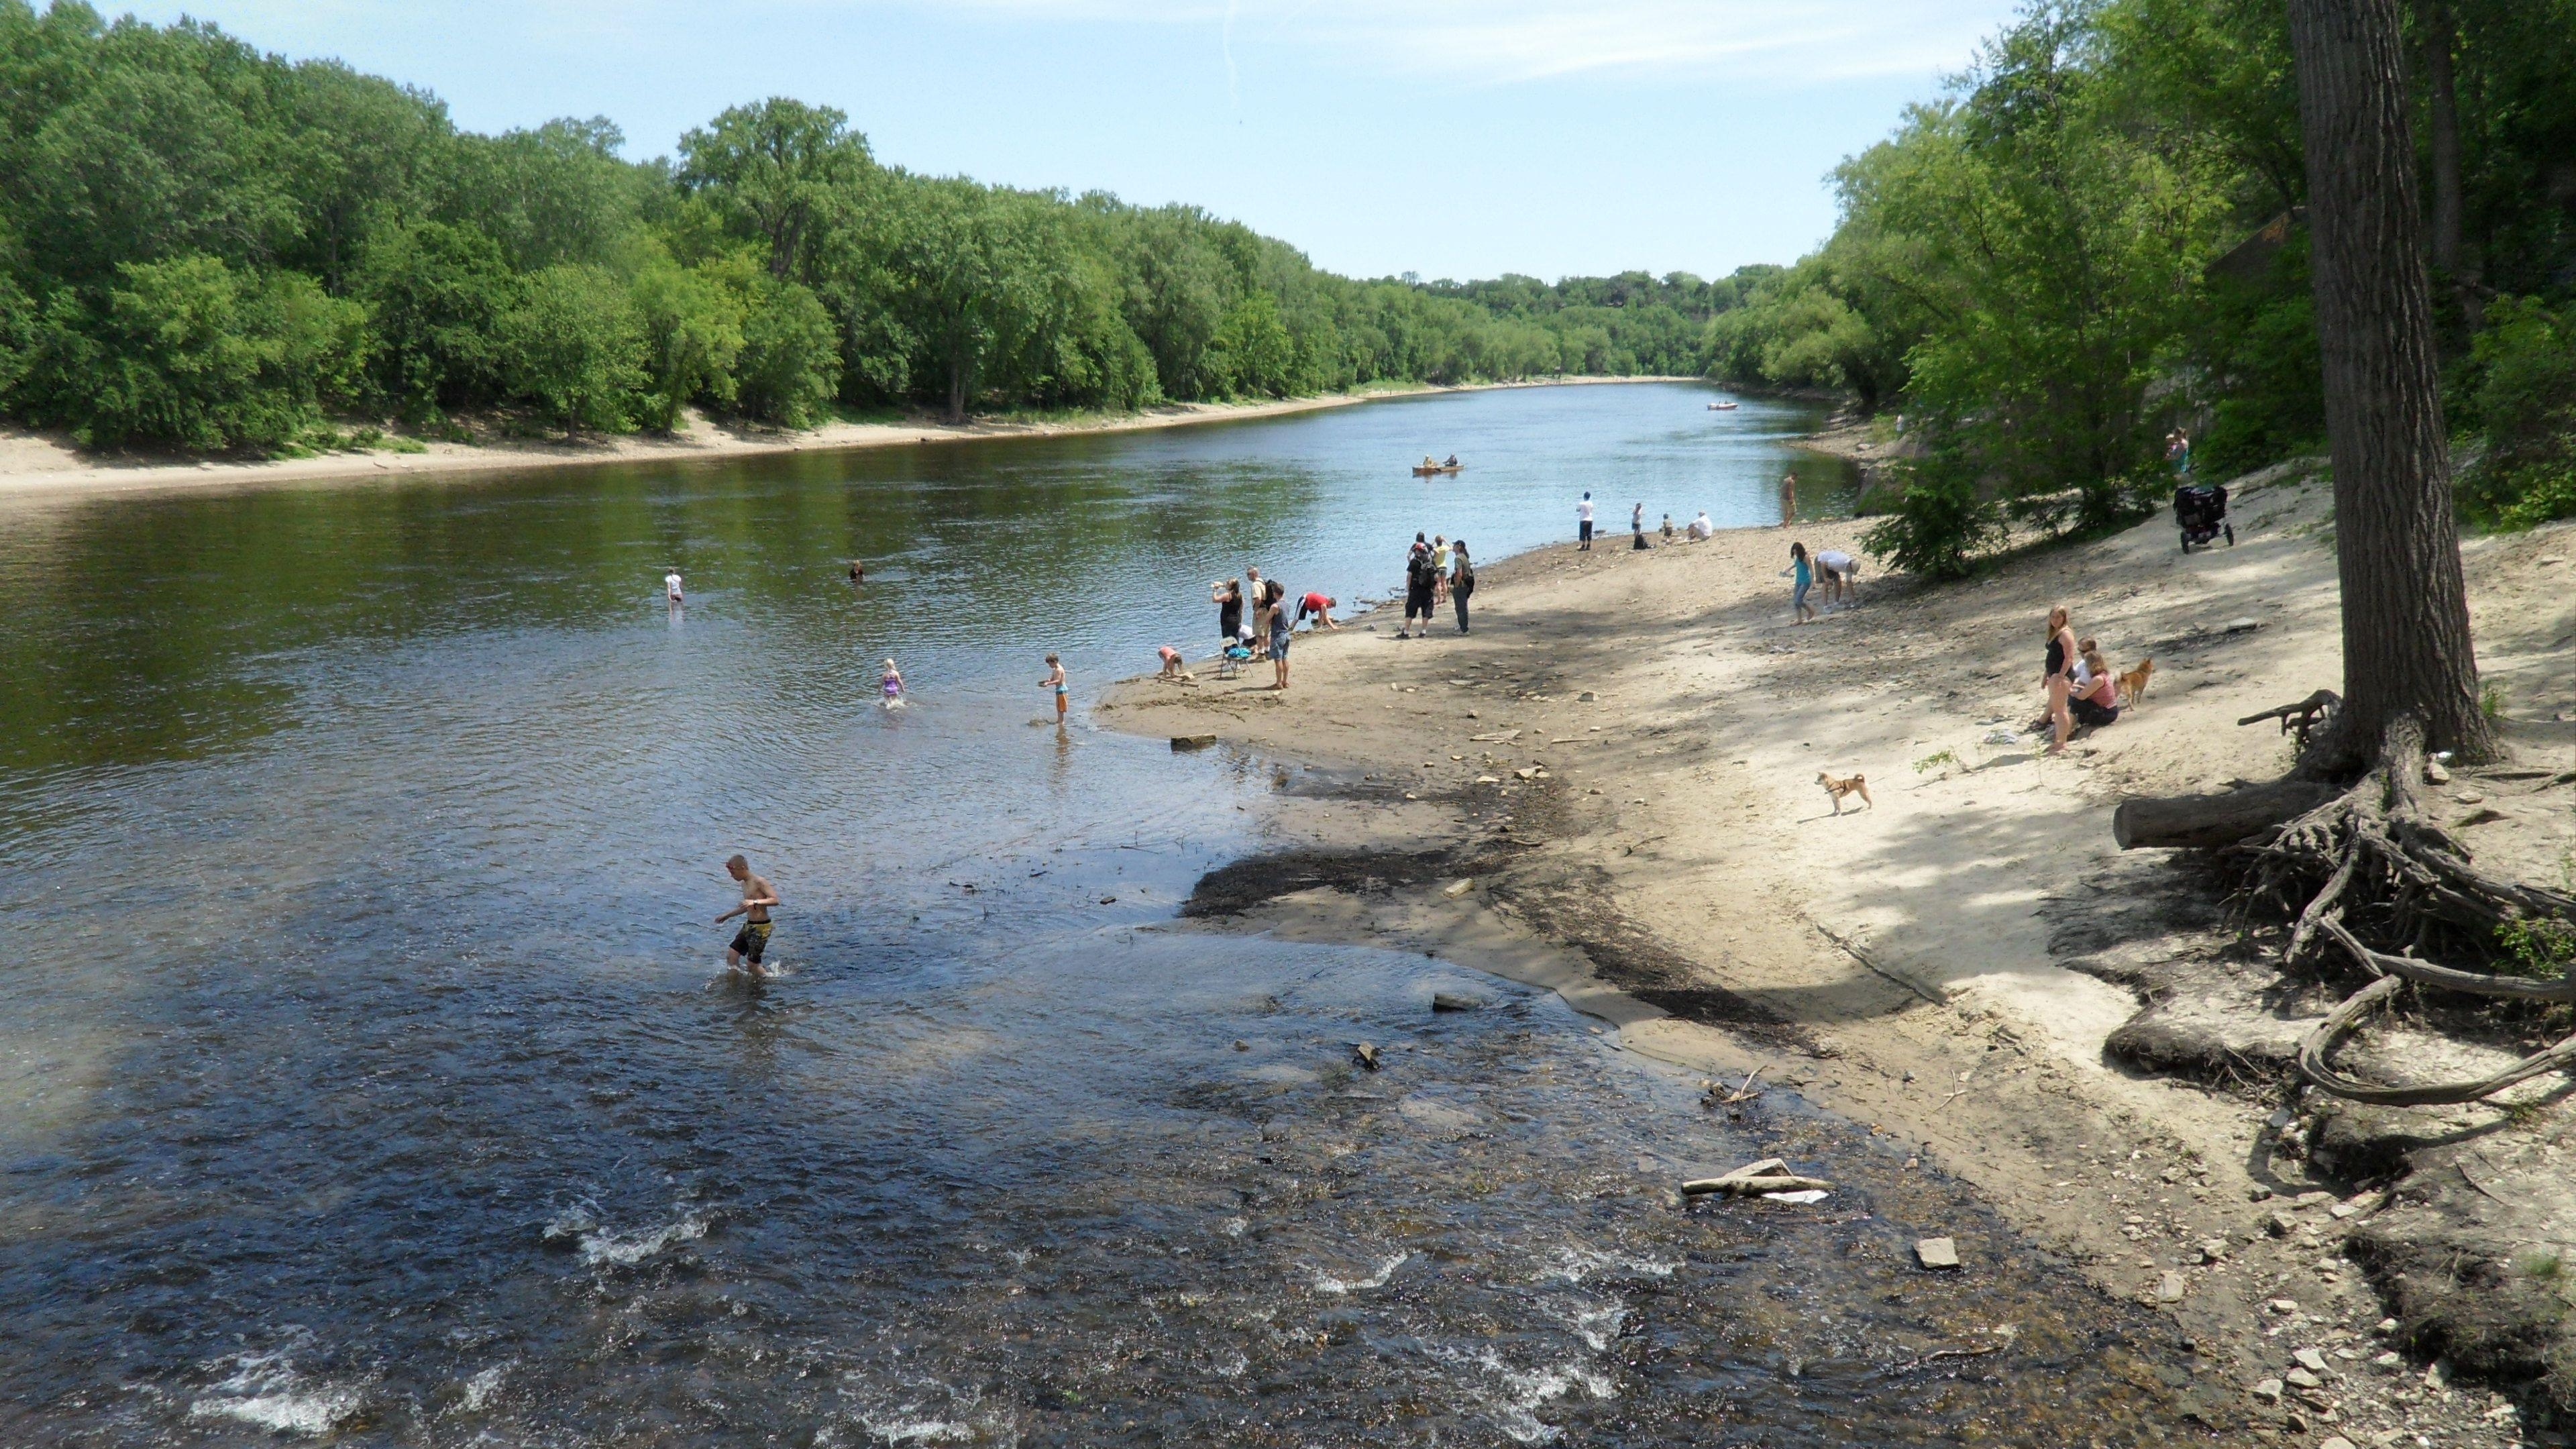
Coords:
pixel 1055 679
pixel 893 685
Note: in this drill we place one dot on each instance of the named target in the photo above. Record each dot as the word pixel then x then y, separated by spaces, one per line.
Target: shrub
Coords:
pixel 1940 521
pixel 2525 398
pixel 790 362
pixel 574 347
pixel 194 353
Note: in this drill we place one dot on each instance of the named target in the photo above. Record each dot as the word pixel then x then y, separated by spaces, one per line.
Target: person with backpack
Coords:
pixel 1462 580
pixel 1418 587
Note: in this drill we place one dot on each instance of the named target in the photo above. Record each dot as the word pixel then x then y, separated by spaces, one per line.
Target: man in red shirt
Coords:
pixel 1320 608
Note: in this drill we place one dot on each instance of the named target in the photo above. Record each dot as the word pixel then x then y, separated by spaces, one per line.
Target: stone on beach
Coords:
pixel 1937 1253
pixel 1456 1001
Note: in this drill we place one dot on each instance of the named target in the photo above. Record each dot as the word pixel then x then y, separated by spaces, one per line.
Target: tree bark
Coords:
pixel 2213 822
pixel 2405 607
pixel 2450 210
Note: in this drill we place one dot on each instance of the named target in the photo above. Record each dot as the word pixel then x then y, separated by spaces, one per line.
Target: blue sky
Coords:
pixel 1452 138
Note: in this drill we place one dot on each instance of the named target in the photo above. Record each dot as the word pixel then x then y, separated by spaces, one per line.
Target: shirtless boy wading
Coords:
pixel 758 896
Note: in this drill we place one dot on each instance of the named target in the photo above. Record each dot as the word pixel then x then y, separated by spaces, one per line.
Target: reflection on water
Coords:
pixel 369 1072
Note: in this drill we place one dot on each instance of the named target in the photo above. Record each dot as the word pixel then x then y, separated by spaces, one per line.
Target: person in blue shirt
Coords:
pixel 1801 574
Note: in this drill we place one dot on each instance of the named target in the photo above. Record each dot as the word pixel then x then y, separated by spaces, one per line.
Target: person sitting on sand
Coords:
pixel 2097 703
pixel 1171 663
pixel 1701 530
pixel 1318 607
pixel 1668 528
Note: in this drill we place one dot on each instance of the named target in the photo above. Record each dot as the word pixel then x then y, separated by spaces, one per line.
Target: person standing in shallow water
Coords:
pixel 1583 523
pixel 1788 499
pixel 1462 580
pixel 752 942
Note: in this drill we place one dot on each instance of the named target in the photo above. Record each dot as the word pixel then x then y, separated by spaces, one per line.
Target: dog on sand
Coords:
pixel 1848 785
pixel 2133 682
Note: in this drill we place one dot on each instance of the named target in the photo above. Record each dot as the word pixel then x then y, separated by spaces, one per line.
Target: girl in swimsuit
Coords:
pixel 892 683
pixel 2061 657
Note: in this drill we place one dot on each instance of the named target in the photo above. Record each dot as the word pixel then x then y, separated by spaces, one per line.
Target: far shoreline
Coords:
pixel 35 465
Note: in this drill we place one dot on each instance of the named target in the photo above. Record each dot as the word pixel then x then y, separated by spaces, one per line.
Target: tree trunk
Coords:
pixel 2450 266
pixel 2405 608
pixel 2211 822
pixel 957 370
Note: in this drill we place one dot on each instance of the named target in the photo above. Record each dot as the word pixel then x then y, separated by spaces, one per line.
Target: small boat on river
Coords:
pixel 1433 470
pixel 1724 407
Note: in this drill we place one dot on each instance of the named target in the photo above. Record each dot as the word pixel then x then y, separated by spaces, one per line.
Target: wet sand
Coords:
pixel 1610 788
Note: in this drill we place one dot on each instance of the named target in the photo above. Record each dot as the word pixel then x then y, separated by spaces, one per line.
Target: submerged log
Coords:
pixel 2213 822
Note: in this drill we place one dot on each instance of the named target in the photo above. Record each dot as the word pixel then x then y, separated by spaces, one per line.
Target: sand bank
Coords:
pixel 1622 761
pixel 36 463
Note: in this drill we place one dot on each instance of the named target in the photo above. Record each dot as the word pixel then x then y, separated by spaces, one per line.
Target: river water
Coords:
pixel 369 1074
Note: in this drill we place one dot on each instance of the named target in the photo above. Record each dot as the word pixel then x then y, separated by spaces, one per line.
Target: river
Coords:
pixel 370 1075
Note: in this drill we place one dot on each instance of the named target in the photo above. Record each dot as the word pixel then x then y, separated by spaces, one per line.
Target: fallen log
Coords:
pixel 2214 822
pixel 1754 1186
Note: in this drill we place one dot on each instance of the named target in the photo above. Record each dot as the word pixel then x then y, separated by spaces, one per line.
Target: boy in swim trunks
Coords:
pixel 758 896
pixel 1055 680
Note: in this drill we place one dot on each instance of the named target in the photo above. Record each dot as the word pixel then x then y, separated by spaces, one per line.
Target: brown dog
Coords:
pixel 1851 785
pixel 2133 682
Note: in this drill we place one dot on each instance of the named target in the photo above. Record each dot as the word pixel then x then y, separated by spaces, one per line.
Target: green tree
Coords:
pixel 436 295
pixel 777 170
pixel 193 353
pixel 692 327
pixel 574 347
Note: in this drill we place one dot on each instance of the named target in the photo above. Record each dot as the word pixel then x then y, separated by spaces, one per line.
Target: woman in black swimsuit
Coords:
pixel 1227 595
pixel 2061 659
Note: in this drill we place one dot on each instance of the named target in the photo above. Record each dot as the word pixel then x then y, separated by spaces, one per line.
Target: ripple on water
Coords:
pixel 579 1223
pixel 264 1389
pixel 1324 1282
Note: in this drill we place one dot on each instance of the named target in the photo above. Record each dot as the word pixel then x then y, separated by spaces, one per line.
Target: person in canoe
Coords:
pixel 1453 462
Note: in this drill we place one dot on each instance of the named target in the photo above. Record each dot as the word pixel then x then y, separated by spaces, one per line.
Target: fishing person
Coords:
pixel 752 942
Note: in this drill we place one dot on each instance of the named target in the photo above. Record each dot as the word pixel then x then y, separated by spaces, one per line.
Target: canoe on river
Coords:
pixel 1426 470
pixel 1723 407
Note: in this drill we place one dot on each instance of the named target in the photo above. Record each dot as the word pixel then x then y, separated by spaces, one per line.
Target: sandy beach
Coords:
pixel 43 463
pixel 1610 787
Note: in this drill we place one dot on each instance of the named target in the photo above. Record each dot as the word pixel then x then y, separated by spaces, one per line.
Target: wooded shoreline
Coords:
pixel 34 464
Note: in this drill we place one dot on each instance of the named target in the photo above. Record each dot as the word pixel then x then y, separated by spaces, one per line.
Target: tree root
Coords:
pixel 2370 858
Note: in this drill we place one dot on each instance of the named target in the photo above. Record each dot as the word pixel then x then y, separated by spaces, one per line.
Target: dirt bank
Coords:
pixel 32 463
pixel 1623 757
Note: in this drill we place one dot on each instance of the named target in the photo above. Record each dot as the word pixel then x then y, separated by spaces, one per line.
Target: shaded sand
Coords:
pixel 33 462
pixel 1622 761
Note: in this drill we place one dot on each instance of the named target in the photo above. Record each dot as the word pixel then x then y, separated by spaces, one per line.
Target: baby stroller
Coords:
pixel 2201 509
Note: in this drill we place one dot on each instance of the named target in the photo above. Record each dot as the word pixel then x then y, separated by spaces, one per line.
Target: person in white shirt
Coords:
pixel 671 586
pixel 1839 569
pixel 1583 521
pixel 1701 529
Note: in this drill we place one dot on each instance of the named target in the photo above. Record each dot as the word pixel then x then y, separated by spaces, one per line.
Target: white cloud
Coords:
pixel 1776 40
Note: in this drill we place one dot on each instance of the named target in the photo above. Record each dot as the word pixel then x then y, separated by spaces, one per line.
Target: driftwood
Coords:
pixel 2302 718
pixel 2367 858
pixel 2213 822
pixel 1753 1179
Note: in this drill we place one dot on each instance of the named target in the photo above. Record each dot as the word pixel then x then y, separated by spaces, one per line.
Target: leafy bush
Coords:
pixel 574 347
pixel 192 352
pixel 2525 398
pixel 790 362
pixel 693 334
pixel 1940 522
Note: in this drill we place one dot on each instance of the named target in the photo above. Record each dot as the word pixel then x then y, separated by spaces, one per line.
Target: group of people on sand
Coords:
pixel 1698 530
pixel 1264 633
pixel 2082 690
pixel 1435 569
